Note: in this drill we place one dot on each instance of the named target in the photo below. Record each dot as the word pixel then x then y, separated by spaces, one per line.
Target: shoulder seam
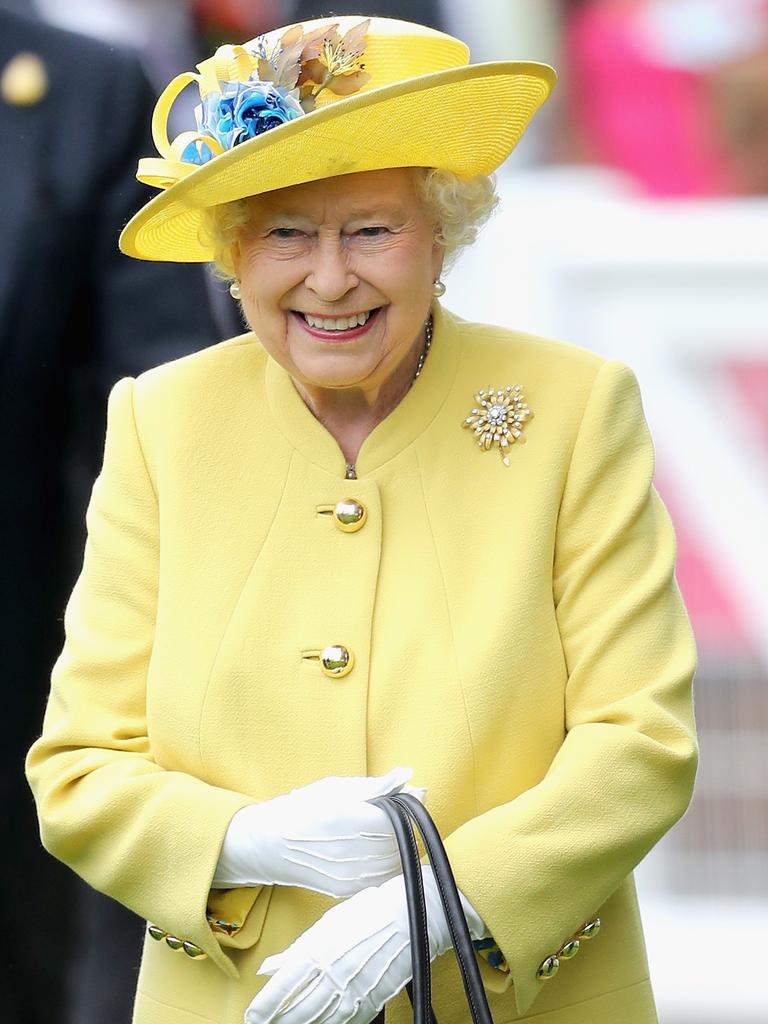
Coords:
pixel 208 352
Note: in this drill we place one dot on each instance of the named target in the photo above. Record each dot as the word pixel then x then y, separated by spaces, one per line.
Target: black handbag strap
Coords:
pixel 420 987
pixel 449 896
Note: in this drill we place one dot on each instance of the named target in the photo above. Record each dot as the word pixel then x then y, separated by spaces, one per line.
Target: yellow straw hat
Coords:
pixel 324 98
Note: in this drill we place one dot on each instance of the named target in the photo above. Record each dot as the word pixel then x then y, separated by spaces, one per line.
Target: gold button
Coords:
pixel 569 949
pixel 336 660
pixel 548 968
pixel 157 933
pixel 24 80
pixel 173 942
pixel 589 930
pixel 350 515
pixel 194 951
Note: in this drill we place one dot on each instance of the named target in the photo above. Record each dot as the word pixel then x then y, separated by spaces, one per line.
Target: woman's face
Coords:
pixel 336 276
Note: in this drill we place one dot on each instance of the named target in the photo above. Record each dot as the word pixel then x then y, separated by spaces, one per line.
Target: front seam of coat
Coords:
pixel 235 603
pixel 453 637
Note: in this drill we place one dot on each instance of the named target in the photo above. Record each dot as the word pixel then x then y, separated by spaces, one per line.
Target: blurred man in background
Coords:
pixel 75 315
pixel 425 12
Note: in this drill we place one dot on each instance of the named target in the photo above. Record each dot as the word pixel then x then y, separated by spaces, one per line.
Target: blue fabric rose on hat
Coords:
pixel 241 111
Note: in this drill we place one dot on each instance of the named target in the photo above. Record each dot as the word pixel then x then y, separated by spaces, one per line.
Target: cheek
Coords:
pixel 402 273
pixel 264 283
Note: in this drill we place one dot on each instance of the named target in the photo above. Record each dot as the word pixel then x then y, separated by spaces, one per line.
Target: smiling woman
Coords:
pixel 309 579
pixel 351 259
pixel 336 279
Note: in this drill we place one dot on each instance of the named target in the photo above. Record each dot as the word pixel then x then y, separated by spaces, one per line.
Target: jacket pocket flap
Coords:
pixel 236 916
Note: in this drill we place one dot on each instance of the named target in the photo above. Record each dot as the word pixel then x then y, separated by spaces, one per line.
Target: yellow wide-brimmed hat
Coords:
pixel 324 98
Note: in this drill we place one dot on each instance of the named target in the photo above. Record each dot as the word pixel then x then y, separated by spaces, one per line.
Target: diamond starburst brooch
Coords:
pixel 499 418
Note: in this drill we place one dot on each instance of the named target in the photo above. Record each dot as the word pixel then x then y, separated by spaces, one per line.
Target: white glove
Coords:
pixel 324 836
pixel 353 959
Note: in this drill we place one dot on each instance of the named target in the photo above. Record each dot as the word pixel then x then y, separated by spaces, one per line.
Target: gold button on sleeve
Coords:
pixel 173 942
pixel 569 949
pixel 194 951
pixel 548 968
pixel 589 930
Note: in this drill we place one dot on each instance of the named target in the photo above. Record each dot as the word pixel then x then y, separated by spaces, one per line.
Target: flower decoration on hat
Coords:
pixel 240 111
pixel 499 418
pixel 248 90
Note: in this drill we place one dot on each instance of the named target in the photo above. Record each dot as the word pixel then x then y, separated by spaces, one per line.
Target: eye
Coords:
pixel 285 233
pixel 374 231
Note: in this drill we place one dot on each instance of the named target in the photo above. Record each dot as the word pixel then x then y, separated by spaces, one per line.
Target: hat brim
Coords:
pixel 466 120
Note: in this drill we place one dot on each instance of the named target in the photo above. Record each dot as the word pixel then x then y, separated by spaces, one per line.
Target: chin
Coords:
pixel 332 369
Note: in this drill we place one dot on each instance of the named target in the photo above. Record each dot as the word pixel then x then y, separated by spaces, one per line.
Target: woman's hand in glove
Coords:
pixel 324 836
pixel 355 958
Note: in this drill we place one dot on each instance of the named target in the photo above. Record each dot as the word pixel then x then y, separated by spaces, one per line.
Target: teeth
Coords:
pixel 344 323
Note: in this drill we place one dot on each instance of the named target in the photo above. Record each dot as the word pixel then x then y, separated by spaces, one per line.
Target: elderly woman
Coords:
pixel 322 565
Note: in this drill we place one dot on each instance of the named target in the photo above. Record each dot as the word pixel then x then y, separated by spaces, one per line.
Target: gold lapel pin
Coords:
pixel 499 418
pixel 24 80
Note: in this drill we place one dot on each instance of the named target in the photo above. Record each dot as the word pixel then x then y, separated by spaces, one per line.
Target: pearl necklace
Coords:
pixel 350 473
pixel 427 343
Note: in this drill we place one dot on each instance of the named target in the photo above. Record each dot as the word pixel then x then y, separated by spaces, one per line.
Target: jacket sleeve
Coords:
pixel 625 771
pixel 144 835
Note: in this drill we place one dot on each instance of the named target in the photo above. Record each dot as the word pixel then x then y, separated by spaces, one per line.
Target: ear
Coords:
pixel 438 258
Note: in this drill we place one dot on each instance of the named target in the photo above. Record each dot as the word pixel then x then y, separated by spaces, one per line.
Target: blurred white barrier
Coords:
pixel 704 957
pixel 679 290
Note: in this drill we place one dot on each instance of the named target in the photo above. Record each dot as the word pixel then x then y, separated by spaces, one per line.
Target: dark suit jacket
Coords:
pixel 425 12
pixel 75 314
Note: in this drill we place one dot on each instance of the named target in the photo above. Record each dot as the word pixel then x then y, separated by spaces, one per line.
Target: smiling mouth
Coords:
pixel 340 323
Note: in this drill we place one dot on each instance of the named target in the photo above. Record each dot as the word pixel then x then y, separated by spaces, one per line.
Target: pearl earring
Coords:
pixel 234 290
pixel 438 288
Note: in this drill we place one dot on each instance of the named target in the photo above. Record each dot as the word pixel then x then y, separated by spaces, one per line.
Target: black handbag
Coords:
pixel 401 808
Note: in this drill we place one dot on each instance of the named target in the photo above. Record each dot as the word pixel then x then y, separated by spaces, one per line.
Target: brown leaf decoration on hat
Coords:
pixel 306 97
pixel 312 72
pixel 345 85
pixel 282 64
pixel 317 60
pixel 331 38
pixel 291 36
pixel 341 54
pixel 354 40
pixel 287 62
pixel 313 41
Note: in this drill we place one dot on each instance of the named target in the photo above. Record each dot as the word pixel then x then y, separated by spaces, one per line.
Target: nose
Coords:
pixel 331 276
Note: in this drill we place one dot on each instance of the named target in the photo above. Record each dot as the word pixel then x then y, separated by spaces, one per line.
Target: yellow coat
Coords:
pixel 517 632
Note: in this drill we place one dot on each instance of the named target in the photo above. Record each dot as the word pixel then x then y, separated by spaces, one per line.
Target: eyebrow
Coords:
pixel 382 210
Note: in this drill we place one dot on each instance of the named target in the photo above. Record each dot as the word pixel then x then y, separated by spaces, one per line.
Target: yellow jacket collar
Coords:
pixel 395 432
